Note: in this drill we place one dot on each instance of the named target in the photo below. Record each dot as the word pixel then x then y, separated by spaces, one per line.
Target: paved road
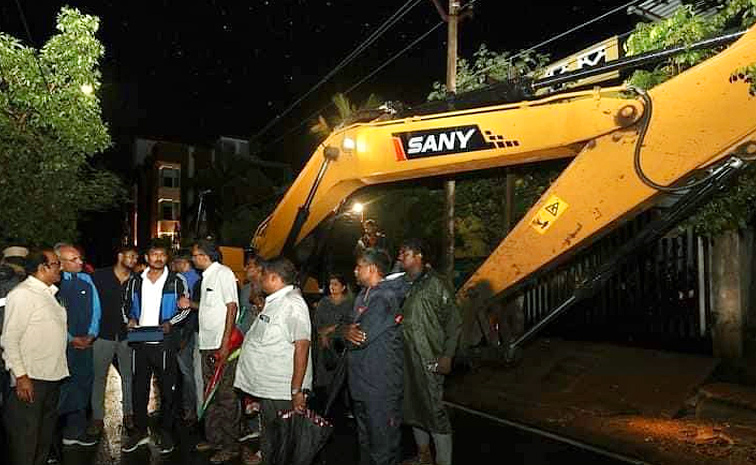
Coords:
pixel 478 440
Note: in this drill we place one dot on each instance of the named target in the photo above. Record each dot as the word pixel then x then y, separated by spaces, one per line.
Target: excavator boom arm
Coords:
pixel 699 117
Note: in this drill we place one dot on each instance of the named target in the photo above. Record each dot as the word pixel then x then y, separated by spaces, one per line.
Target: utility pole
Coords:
pixel 509 201
pixel 450 184
pixel 452 20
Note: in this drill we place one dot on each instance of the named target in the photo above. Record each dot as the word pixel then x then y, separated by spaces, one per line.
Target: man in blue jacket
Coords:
pixel 82 302
pixel 376 359
pixel 160 298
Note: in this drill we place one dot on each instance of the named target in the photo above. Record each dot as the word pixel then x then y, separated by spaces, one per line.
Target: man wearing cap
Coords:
pixel 11 273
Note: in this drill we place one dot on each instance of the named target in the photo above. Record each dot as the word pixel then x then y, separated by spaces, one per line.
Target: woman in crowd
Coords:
pixel 333 310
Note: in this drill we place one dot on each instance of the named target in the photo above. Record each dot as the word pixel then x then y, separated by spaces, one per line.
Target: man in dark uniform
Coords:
pixel 375 360
pixel 432 324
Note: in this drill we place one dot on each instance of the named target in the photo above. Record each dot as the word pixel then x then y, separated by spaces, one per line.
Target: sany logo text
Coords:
pixel 445 141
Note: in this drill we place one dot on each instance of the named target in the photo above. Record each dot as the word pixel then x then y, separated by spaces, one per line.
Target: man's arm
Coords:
pixel 16 321
pixel 182 301
pixel 451 321
pixel 135 310
pixel 301 357
pixel 230 296
pixel 379 318
pixel 94 324
pixel 225 348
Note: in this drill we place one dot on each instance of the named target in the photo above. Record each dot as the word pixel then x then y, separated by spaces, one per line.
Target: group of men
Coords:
pixel 59 342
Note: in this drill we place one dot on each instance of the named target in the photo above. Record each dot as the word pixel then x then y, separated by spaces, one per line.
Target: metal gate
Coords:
pixel 659 298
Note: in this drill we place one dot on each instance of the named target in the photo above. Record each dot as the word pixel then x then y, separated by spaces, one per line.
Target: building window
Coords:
pixel 169 209
pixel 169 177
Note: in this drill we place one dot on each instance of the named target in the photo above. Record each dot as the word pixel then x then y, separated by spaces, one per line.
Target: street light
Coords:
pixel 357 207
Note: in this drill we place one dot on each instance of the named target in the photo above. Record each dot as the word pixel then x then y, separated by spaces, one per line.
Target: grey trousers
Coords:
pixel 186 367
pixel 104 350
pixel 31 426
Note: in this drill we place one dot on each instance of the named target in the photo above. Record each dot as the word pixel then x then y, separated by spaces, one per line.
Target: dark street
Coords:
pixel 478 440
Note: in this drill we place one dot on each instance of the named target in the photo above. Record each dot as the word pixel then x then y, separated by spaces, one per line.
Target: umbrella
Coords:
pixel 235 348
pixel 298 437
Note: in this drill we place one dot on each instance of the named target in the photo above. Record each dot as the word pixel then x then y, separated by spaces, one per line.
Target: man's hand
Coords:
pixel 184 303
pixel 298 402
pixel 166 327
pixel 132 323
pixel 354 334
pixel 80 342
pixel 25 389
pixel 324 340
pixel 444 365
pixel 221 355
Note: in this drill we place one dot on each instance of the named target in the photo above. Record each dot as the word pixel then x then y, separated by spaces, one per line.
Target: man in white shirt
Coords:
pixel 275 364
pixel 34 342
pixel 219 302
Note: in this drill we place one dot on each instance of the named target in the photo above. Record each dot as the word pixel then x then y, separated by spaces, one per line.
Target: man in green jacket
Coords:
pixel 432 324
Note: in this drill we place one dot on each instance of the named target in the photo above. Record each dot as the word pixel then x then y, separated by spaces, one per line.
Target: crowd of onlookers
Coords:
pixel 222 357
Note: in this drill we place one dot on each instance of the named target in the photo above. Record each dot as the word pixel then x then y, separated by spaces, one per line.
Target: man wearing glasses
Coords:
pixel 79 295
pixel 219 303
pixel 34 341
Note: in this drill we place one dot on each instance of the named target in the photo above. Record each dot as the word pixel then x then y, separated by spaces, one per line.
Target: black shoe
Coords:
pixel 165 444
pixel 134 441
pixel 85 440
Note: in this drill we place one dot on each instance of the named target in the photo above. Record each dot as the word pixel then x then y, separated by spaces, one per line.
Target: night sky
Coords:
pixel 193 70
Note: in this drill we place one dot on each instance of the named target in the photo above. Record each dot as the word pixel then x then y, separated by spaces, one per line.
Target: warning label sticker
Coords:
pixel 548 214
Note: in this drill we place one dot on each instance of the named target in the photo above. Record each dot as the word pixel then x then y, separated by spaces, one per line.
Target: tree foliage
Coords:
pixel 242 196
pixel 480 201
pixel 734 207
pixel 488 66
pixel 345 110
pixel 50 126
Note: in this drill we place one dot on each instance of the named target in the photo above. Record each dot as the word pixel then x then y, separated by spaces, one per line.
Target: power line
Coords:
pixel 567 32
pixel 304 121
pixel 403 10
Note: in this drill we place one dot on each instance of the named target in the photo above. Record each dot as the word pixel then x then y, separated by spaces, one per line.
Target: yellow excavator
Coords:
pixel 628 148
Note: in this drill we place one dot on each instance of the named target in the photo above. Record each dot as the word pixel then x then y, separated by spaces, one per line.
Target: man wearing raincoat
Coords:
pixel 432 325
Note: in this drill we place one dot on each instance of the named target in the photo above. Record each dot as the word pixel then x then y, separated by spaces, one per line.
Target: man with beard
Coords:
pixel 160 299
pixel 432 324
pixel 112 285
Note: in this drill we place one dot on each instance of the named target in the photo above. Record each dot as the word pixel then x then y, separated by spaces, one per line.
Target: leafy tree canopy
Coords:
pixel 735 207
pixel 50 126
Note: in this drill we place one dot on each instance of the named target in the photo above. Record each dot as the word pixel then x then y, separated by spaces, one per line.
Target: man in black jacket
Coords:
pixel 376 359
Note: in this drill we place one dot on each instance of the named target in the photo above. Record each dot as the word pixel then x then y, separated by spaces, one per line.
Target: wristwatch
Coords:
pixel 295 391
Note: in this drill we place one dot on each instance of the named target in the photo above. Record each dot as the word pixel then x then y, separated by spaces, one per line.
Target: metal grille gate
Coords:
pixel 658 299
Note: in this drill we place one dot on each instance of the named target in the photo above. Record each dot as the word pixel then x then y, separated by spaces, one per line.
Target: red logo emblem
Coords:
pixel 398 319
